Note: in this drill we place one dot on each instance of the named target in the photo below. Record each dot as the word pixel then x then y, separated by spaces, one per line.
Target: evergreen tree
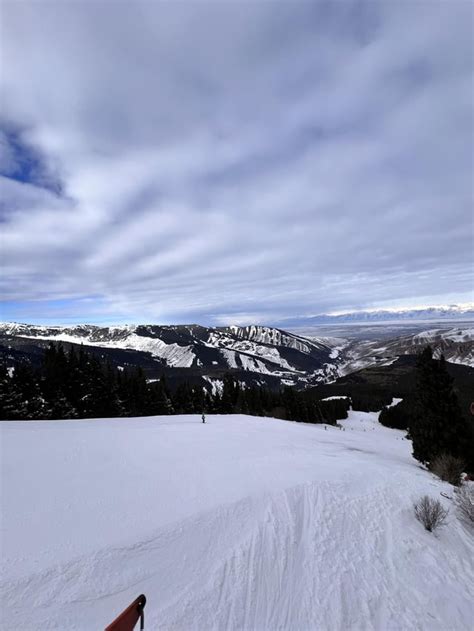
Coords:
pixel 134 392
pixel 398 416
pixel 61 408
pixel 183 401
pixel 12 402
pixel 159 399
pixel 27 383
pixel 437 425
pixel 229 395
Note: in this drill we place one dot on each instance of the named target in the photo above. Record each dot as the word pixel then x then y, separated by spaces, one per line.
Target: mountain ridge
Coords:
pixel 257 350
pixel 255 354
pixel 424 314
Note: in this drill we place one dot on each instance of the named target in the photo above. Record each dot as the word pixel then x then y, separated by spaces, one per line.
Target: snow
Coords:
pixel 455 335
pixel 245 348
pixel 456 344
pixel 217 385
pixel 395 401
pixel 174 354
pixel 241 523
pixel 247 362
pixel 229 356
pixel 269 335
pixel 254 365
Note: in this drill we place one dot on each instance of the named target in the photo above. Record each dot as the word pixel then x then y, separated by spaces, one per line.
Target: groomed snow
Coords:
pixel 241 523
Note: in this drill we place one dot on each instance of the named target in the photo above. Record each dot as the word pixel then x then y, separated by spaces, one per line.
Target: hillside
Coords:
pixel 456 344
pixel 255 354
pixel 242 523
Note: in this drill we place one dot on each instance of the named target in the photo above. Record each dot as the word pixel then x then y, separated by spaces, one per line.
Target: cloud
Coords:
pixel 218 161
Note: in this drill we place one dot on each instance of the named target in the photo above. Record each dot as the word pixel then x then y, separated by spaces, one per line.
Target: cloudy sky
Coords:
pixel 234 162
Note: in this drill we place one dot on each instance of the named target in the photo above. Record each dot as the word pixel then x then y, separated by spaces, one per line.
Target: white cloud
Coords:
pixel 220 160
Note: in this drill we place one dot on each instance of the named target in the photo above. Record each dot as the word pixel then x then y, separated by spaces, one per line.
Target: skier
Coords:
pixel 203 417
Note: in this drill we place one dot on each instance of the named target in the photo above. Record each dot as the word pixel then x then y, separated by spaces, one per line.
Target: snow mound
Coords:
pixel 241 523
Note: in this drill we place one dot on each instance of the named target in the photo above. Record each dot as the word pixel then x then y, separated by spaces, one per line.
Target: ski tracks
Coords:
pixel 315 556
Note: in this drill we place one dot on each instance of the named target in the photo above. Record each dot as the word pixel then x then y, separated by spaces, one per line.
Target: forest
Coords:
pixel 75 384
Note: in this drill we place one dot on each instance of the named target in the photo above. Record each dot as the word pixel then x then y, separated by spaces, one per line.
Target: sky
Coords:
pixel 234 162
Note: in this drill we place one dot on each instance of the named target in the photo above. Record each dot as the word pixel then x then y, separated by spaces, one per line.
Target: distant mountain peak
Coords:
pixel 463 312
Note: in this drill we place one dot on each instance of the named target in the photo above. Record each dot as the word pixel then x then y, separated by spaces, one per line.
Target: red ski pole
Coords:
pixel 127 620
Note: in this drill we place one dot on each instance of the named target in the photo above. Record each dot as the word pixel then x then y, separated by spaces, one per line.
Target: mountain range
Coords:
pixel 456 313
pixel 258 355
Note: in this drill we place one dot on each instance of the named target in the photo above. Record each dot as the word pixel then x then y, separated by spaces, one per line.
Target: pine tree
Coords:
pixel 133 392
pixel 183 400
pixel 27 381
pixel 229 395
pixel 61 408
pixel 12 404
pixel 437 425
pixel 159 402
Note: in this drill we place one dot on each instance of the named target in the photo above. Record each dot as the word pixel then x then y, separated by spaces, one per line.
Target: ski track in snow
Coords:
pixel 270 525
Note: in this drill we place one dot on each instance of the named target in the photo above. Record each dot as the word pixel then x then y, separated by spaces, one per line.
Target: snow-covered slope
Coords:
pixel 456 344
pixel 242 523
pixel 125 337
pixel 269 335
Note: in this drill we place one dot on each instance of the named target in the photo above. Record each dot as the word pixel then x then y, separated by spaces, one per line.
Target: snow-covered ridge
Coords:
pixel 86 332
pixel 253 349
pixel 423 314
pixel 108 337
pixel 457 335
pixel 262 350
pixel 456 344
pixel 269 335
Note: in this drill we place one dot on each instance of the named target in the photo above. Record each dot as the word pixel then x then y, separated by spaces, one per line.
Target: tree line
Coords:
pixel 76 384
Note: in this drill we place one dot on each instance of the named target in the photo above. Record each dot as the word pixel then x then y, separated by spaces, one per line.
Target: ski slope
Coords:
pixel 241 523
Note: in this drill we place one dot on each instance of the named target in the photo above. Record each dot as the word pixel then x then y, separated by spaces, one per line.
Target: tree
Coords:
pixel 27 382
pixel 397 416
pixel 229 394
pixel 437 425
pixel 12 403
pixel 159 401
pixel 134 391
pixel 183 401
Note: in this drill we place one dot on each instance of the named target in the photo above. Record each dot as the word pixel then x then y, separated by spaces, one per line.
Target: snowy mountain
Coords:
pixel 242 523
pixel 435 314
pixel 456 344
pixel 254 352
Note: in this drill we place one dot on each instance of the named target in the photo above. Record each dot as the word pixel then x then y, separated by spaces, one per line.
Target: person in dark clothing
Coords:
pixel 203 417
